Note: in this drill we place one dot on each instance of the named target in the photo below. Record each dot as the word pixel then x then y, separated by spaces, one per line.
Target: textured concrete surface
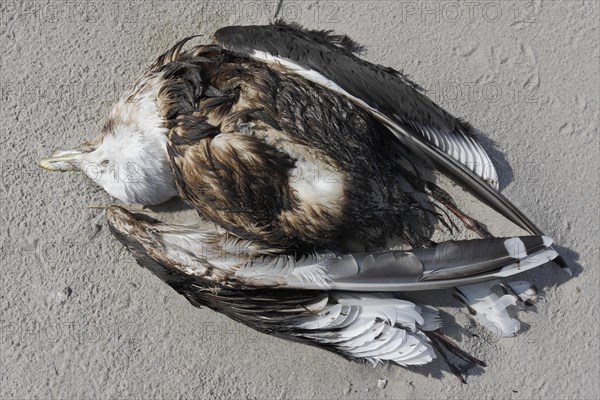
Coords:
pixel 80 320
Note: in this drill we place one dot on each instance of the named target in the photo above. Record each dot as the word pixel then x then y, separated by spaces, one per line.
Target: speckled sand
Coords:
pixel 80 320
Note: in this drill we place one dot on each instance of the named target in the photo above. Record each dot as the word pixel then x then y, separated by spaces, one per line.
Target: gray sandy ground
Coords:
pixel 79 319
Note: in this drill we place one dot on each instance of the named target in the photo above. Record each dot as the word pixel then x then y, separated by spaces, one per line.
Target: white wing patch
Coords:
pixel 525 291
pixel 467 151
pixel 531 261
pixel 373 327
pixel 459 146
pixel 310 272
pixel 490 310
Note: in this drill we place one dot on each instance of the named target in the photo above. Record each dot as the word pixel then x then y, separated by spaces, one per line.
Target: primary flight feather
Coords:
pixel 302 161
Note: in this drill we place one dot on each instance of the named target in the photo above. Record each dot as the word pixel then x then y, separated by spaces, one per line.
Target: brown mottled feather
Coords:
pixel 234 179
pixel 243 139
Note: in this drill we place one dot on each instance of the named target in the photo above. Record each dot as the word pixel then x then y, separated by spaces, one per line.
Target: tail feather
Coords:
pixel 444 346
pixel 489 309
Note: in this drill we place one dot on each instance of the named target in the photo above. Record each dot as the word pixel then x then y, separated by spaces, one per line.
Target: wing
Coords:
pixel 364 327
pixel 328 300
pixel 388 95
pixel 450 264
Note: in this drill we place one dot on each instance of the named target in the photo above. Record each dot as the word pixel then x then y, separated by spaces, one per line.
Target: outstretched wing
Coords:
pixel 388 95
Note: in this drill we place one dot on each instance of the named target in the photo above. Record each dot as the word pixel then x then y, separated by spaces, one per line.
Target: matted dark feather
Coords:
pixel 245 198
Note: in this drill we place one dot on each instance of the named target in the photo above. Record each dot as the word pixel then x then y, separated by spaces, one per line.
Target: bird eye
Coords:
pixel 104 163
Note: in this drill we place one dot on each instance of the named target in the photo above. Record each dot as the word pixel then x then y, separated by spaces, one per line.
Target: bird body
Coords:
pixel 302 160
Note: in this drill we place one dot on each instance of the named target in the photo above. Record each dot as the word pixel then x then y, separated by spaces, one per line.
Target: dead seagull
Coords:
pixel 302 161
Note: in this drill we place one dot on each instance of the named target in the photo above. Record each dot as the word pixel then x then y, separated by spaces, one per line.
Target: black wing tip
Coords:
pixel 560 261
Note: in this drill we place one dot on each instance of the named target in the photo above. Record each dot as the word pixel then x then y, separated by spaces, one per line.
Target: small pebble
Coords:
pixel 61 296
pixel 381 383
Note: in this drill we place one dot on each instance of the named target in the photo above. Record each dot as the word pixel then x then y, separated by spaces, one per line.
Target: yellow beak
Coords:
pixel 62 160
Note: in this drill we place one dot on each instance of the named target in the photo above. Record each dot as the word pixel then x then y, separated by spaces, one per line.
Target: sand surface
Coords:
pixel 79 319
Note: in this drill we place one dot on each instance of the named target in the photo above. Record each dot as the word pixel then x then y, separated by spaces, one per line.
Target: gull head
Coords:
pixel 129 158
